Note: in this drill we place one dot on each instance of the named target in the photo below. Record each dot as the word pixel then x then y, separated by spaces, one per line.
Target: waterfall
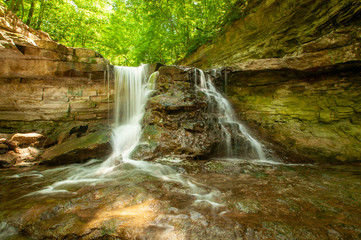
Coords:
pixel 226 116
pixel 132 89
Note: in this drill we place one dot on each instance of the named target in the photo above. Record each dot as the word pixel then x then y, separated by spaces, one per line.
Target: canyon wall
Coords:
pixel 293 74
pixel 45 84
pixel 63 94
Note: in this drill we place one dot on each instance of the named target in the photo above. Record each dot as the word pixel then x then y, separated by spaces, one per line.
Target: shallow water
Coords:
pixel 171 199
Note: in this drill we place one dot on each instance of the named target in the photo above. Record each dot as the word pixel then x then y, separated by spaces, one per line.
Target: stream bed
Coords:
pixel 171 199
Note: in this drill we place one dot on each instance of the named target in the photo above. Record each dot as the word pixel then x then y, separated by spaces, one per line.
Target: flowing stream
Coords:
pixel 227 117
pixel 172 199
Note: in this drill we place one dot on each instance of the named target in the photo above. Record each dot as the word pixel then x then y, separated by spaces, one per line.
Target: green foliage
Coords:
pixel 131 32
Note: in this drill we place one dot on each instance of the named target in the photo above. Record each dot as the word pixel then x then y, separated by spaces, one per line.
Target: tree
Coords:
pixel 130 32
pixel 31 12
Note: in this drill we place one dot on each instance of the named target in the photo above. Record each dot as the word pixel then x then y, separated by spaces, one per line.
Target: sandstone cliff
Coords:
pixel 49 88
pixel 294 74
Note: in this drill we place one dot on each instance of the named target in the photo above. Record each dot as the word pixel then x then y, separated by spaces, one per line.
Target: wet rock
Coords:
pixel 93 145
pixel 176 123
pixel 295 76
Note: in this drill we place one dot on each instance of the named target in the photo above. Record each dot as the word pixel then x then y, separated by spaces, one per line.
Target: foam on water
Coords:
pixel 132 89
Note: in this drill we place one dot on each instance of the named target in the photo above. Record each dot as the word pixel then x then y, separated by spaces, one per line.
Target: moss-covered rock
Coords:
pixel 295 76
pixel 279 28
pixel 93 145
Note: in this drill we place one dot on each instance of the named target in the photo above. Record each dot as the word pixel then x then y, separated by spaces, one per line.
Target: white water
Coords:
pixel 132 89
pixel 227 115
pixel 131 94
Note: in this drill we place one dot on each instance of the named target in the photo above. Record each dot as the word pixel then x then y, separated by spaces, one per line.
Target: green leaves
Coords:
pixel 131 32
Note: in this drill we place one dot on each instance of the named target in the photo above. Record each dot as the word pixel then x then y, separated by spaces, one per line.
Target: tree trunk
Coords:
pixel 41 13
pixel 31 12
pixel 12 5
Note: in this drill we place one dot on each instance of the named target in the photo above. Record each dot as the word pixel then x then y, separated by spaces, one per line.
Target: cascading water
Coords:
pixel 131 94
pixel 226 117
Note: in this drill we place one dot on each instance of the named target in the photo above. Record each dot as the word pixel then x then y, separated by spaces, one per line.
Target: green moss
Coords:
pixel 248 206
pixel 214 166
pixel 93 104
pixel 75 92
pixel 99 137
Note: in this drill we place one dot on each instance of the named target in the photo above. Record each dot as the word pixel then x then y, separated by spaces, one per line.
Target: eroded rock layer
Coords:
pixel 182 122
pixel 294 74
pixel 50 89
pixel 175 123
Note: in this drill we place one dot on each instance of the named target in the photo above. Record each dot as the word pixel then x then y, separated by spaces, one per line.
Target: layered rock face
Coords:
pixel 49 88
pixel 295 75
pixel 42 80
pixel 182 122
pixel 176 122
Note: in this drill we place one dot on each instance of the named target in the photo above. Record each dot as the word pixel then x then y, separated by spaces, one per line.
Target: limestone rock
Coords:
pixel 93 145
pixel 275 29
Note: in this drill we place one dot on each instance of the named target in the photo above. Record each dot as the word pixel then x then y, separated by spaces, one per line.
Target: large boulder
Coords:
pixel 179 122
pixel 93 145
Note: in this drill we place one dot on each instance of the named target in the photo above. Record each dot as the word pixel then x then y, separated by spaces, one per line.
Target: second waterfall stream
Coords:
pixel 132 89
pixel 133 86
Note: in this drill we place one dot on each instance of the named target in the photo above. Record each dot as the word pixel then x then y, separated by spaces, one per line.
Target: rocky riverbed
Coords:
pixel 170 199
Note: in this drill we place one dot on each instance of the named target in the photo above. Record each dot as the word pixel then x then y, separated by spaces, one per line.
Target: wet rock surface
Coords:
pixel 175 123
pixel 256 201
pixel 179 121
pixel 293 74
pixel 91 146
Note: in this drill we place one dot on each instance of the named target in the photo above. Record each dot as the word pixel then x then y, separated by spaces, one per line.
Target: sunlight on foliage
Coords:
pixel 131 32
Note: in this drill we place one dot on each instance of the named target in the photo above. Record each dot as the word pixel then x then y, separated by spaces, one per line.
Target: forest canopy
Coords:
pixel 131 32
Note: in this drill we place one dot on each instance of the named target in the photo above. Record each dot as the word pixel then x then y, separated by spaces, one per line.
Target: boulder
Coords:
pixel 93 145
pixel 178 123
pixel 8 160
pixel 27 139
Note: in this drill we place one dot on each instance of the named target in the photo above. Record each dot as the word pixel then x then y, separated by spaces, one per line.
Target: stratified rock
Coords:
pixel 275 29
pixel 176 123
pixel 46 85
pixel 93 145
pixel 295 75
